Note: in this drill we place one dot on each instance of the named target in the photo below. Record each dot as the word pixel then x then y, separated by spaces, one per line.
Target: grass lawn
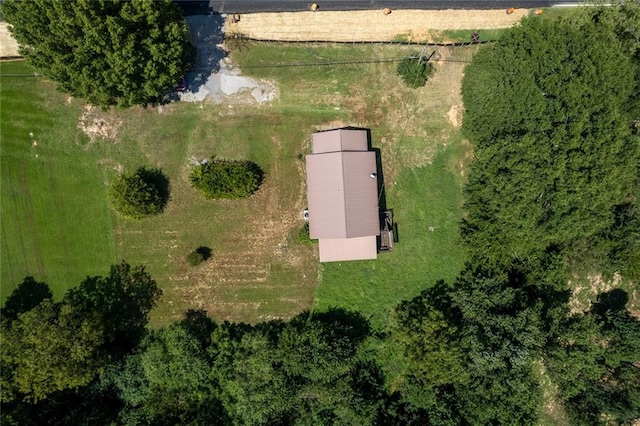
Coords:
pixel 56 225
pixel 423 154
pixel 426 204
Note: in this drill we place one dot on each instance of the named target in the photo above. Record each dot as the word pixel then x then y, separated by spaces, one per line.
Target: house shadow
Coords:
pixel 382 195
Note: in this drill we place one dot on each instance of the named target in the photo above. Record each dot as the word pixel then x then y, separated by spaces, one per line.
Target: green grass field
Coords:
pixel 57 226
pixel 423 157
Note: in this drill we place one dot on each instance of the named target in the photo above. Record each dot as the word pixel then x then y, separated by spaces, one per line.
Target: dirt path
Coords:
pixel 369 25
pixel 8 45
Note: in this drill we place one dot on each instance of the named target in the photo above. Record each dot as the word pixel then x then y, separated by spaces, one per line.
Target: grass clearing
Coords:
pixel 56 225
pixel 423 153
pixel 259 269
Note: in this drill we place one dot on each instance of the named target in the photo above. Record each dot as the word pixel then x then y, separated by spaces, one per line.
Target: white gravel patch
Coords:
pixel 214 78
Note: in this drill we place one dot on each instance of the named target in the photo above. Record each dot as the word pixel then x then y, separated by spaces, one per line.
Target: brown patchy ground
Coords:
pixel 8 45
pixel 258 271
pixel 98 124
pixel 368 25
pixel 586 290
pixel 246 258
pixel 417 123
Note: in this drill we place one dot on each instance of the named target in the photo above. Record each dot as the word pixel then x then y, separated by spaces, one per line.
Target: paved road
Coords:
pixel 242 6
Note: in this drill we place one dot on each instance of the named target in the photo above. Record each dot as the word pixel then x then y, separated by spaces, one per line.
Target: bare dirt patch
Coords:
pixel 368 25
pixel 96 124
pixel 455 116
pixel 586 291
pixel 8 45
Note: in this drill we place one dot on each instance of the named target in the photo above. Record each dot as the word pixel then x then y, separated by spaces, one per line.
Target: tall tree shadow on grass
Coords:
pixel 29 294
pixel 207 36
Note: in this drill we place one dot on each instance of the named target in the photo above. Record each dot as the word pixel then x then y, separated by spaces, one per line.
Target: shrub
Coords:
pixel 140 194
pixel 414 71
pixel 195 258
pixel 303 235
pixel 199 255
pixel 231 179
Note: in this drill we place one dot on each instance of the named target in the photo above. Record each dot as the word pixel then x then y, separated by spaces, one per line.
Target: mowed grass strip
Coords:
pixel 56 225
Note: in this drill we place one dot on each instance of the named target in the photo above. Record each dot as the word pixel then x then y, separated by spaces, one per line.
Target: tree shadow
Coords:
pixel 158 180
pixel 29 294
pixel 257 171
pixel 611 301
pixel 199 325
pixel 352 325
pixel 193 7
pixel 207 36
pixel 204 251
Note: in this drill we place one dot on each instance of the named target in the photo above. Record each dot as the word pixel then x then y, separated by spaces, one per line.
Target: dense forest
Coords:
pixel 553 113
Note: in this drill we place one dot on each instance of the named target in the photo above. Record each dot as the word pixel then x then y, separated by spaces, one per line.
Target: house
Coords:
pixel 342 195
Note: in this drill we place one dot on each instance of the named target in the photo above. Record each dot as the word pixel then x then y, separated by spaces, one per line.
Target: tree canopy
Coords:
pixel 112 52
pixel 550 110
pixel 142 193
pixel 58 346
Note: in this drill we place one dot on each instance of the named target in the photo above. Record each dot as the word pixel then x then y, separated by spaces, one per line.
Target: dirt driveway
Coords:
pixel 368 25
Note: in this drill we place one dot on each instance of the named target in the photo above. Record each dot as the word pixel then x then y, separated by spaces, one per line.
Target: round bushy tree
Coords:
pixel 140 194
pixel 232 179
pixel 117 52
pixel 414 71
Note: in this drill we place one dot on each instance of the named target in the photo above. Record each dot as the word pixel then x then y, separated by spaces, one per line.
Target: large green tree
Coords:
pixel 107 52
pixel 551 109
pixel 169 380
pixel 595 362
pixel 65 345
pixel 50 348
pixel 311 370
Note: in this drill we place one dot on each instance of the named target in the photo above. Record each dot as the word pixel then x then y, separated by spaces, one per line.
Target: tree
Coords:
pixel 64 346
pixel 140 194
pixel 29 294
pixel 594 362
pixel 169 380
pixel 231 179
pixel 414 71
pixel 432 340
pixel 122 301
pixel 311 370
pixel 108 52
pixel 556 154
pixel 51 348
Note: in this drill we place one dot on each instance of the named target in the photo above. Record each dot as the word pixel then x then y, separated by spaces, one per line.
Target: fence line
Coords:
pixel 363 42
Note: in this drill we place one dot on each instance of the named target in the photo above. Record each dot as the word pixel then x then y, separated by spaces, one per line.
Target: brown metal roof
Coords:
pixel 342 195
pixel 339 249
pixel 339 140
